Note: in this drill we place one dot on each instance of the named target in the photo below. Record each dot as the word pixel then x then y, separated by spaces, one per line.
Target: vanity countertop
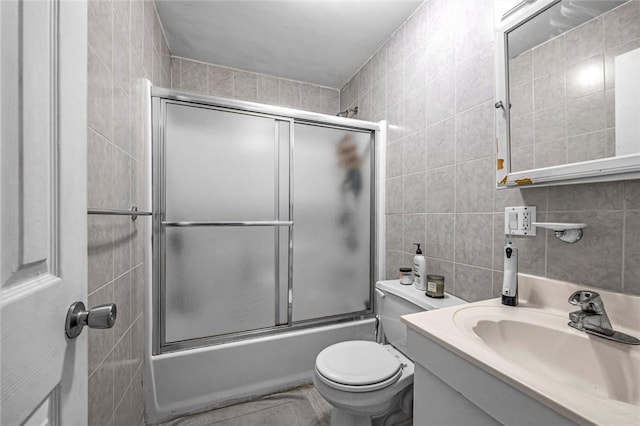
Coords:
pixel 586 378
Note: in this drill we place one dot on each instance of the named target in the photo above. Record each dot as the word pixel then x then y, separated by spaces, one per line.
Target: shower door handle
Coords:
pixel 102 316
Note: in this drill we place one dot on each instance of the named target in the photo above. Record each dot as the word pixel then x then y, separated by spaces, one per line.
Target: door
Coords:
pixel 43 210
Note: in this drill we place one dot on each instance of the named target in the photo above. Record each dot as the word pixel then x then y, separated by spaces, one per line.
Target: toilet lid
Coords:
pixel 357 363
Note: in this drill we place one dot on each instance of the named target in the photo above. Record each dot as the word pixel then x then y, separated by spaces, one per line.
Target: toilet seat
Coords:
pixel 358 366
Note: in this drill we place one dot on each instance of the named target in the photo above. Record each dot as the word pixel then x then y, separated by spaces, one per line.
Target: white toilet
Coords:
pixel 370 383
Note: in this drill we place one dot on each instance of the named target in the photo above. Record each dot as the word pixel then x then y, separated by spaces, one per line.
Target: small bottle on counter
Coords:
pixel 405 276
pixel 435 286
pixel 419 269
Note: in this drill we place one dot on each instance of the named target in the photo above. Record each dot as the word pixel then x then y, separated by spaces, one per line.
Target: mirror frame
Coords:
pixel 600 170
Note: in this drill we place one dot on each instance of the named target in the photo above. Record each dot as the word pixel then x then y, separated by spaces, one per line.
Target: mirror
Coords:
pixel 568 92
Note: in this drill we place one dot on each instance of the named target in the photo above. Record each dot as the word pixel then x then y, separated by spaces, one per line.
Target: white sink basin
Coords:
pixel 544 344
pixel 588 379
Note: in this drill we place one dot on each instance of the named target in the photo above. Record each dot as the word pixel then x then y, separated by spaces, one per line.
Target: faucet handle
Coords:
pixel 588 301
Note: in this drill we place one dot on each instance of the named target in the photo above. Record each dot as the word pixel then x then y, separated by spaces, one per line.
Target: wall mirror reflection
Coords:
pixel 570 71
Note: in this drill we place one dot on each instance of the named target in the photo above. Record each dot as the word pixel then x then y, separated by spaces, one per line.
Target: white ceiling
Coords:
pixel 322 42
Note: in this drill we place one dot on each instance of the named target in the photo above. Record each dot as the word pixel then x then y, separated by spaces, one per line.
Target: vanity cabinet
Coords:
pixel 449 390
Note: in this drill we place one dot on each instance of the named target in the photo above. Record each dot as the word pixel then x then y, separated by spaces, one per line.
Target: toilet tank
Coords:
pixel 394 300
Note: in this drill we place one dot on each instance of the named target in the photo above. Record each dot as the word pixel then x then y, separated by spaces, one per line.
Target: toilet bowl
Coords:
pixel 363 380
pixel 369 383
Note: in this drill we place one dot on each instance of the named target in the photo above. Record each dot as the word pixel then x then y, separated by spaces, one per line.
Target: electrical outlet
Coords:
pixel 518 220
pixel 526 220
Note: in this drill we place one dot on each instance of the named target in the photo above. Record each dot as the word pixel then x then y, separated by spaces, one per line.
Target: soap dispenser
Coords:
pixel 419 269
pixel 510 281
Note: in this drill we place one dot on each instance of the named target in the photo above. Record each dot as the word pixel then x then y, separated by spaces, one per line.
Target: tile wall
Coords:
pixel 563 92
pixel 433 80
pixel 126 42
pixel 200 77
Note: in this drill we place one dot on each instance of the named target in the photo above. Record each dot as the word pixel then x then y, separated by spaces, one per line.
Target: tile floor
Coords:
pixel 302 406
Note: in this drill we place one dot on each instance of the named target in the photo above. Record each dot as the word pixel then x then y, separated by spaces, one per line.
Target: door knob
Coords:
pixel 102 316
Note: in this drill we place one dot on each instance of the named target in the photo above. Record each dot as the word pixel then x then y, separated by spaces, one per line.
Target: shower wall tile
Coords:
pixel 245 86
pixel 220 81
pixel 310 97
pixel 248 86
pixel 126 43
pixel 193 76
pixel 330 101
pixel 290 93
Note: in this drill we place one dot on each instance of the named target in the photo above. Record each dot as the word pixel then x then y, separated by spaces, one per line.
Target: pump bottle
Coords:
pixel 419 269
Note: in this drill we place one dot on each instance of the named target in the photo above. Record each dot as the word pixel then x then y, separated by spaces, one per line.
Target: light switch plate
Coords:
pixel 518 220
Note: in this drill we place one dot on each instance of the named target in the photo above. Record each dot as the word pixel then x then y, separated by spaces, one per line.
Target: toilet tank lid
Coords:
pixel 418 297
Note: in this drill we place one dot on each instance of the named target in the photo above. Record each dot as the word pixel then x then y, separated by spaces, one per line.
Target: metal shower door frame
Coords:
pixel 160 98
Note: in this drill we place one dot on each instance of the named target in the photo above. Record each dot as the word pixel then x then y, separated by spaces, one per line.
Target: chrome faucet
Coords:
pixel 592 318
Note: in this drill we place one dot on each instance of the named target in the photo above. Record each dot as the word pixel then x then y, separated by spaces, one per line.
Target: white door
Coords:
pixel 43 247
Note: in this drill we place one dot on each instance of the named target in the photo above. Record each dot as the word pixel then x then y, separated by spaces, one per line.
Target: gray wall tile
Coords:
pixel 585 114
pixel 394 232
pixel 415 147
pixel 414 190
pixel 441 144
pixel 622 25
pixel 414 232
pixel 475 186
pixel 632 194
pixel 126 43
pixel 474 132
pixel 548 91
pixel 584 41
pixel 549 57
pixel 219 81
pixel 585 77
pixel 451 97
pixel 474 79
pixel 310 97
pixel 101 405
pixel 472 283
pixel 245 86
pixel 193 76
pixel 290 93
pixel 597 258
pixel 440 190
pixel 590 196
pixel 521 69
pixel 474 239
pixel 394 164
pixel 440 98
pixel 440 236
pixel 632 252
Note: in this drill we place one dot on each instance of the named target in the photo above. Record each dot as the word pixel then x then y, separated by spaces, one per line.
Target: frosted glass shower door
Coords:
pixel 332 262
pixel 224 173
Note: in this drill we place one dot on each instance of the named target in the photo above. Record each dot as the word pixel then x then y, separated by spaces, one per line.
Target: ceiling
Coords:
pixel 322 42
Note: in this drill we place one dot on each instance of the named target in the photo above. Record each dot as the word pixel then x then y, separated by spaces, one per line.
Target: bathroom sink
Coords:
pixel 544 344
pixel 531 347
